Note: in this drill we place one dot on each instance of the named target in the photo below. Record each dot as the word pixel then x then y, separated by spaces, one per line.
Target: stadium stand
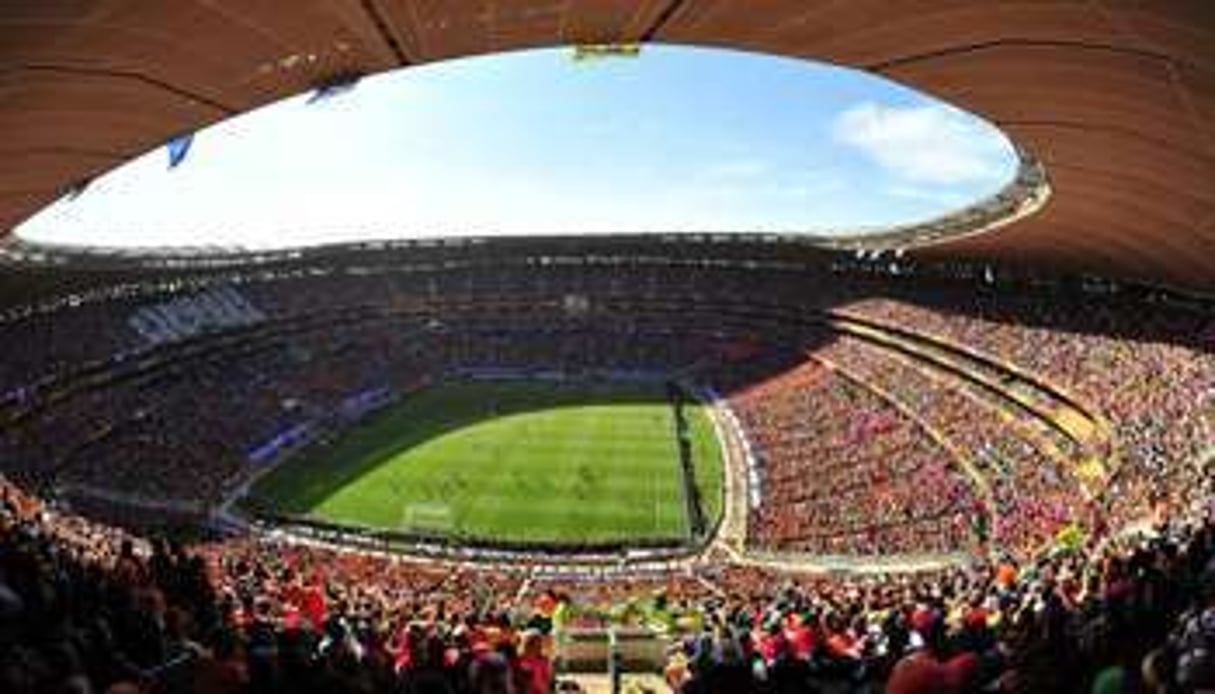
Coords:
pixel 884 418
pixel 86 603
pixel 868 499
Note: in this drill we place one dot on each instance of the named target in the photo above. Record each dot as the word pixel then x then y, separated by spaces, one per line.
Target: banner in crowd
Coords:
pixel 291 438
pixel 186 316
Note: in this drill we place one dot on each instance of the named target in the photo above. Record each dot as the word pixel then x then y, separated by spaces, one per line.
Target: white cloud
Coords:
pixel 933 145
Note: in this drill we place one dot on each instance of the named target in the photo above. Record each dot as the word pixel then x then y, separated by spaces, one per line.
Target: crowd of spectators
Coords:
pixel 1032 498
pixel 845 472
pixel 84 607
pixel 860 454
pixel 1147 368
pixel 183 430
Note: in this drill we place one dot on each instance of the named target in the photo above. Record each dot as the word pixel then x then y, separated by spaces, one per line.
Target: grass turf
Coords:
pixel 510 460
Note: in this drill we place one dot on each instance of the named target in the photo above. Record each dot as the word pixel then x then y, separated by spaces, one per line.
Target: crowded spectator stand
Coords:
pixel 853 447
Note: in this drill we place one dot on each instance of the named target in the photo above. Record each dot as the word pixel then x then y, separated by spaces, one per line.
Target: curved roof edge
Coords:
pixel 1115 99
pixel 1023 196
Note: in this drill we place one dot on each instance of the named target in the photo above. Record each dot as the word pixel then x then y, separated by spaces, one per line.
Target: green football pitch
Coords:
pixel 511 460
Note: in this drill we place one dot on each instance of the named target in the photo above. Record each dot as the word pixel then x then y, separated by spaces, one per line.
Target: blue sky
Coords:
pixel 679 139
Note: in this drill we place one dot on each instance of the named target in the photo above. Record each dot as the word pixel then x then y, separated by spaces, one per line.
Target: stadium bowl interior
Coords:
pixel 987 411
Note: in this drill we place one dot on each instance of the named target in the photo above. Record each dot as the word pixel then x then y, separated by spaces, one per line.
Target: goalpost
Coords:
pixel 428 517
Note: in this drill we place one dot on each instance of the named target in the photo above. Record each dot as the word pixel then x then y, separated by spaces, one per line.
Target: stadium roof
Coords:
pixel 1115 97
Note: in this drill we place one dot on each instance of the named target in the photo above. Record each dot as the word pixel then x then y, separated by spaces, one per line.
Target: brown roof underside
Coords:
pixel 1115 97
